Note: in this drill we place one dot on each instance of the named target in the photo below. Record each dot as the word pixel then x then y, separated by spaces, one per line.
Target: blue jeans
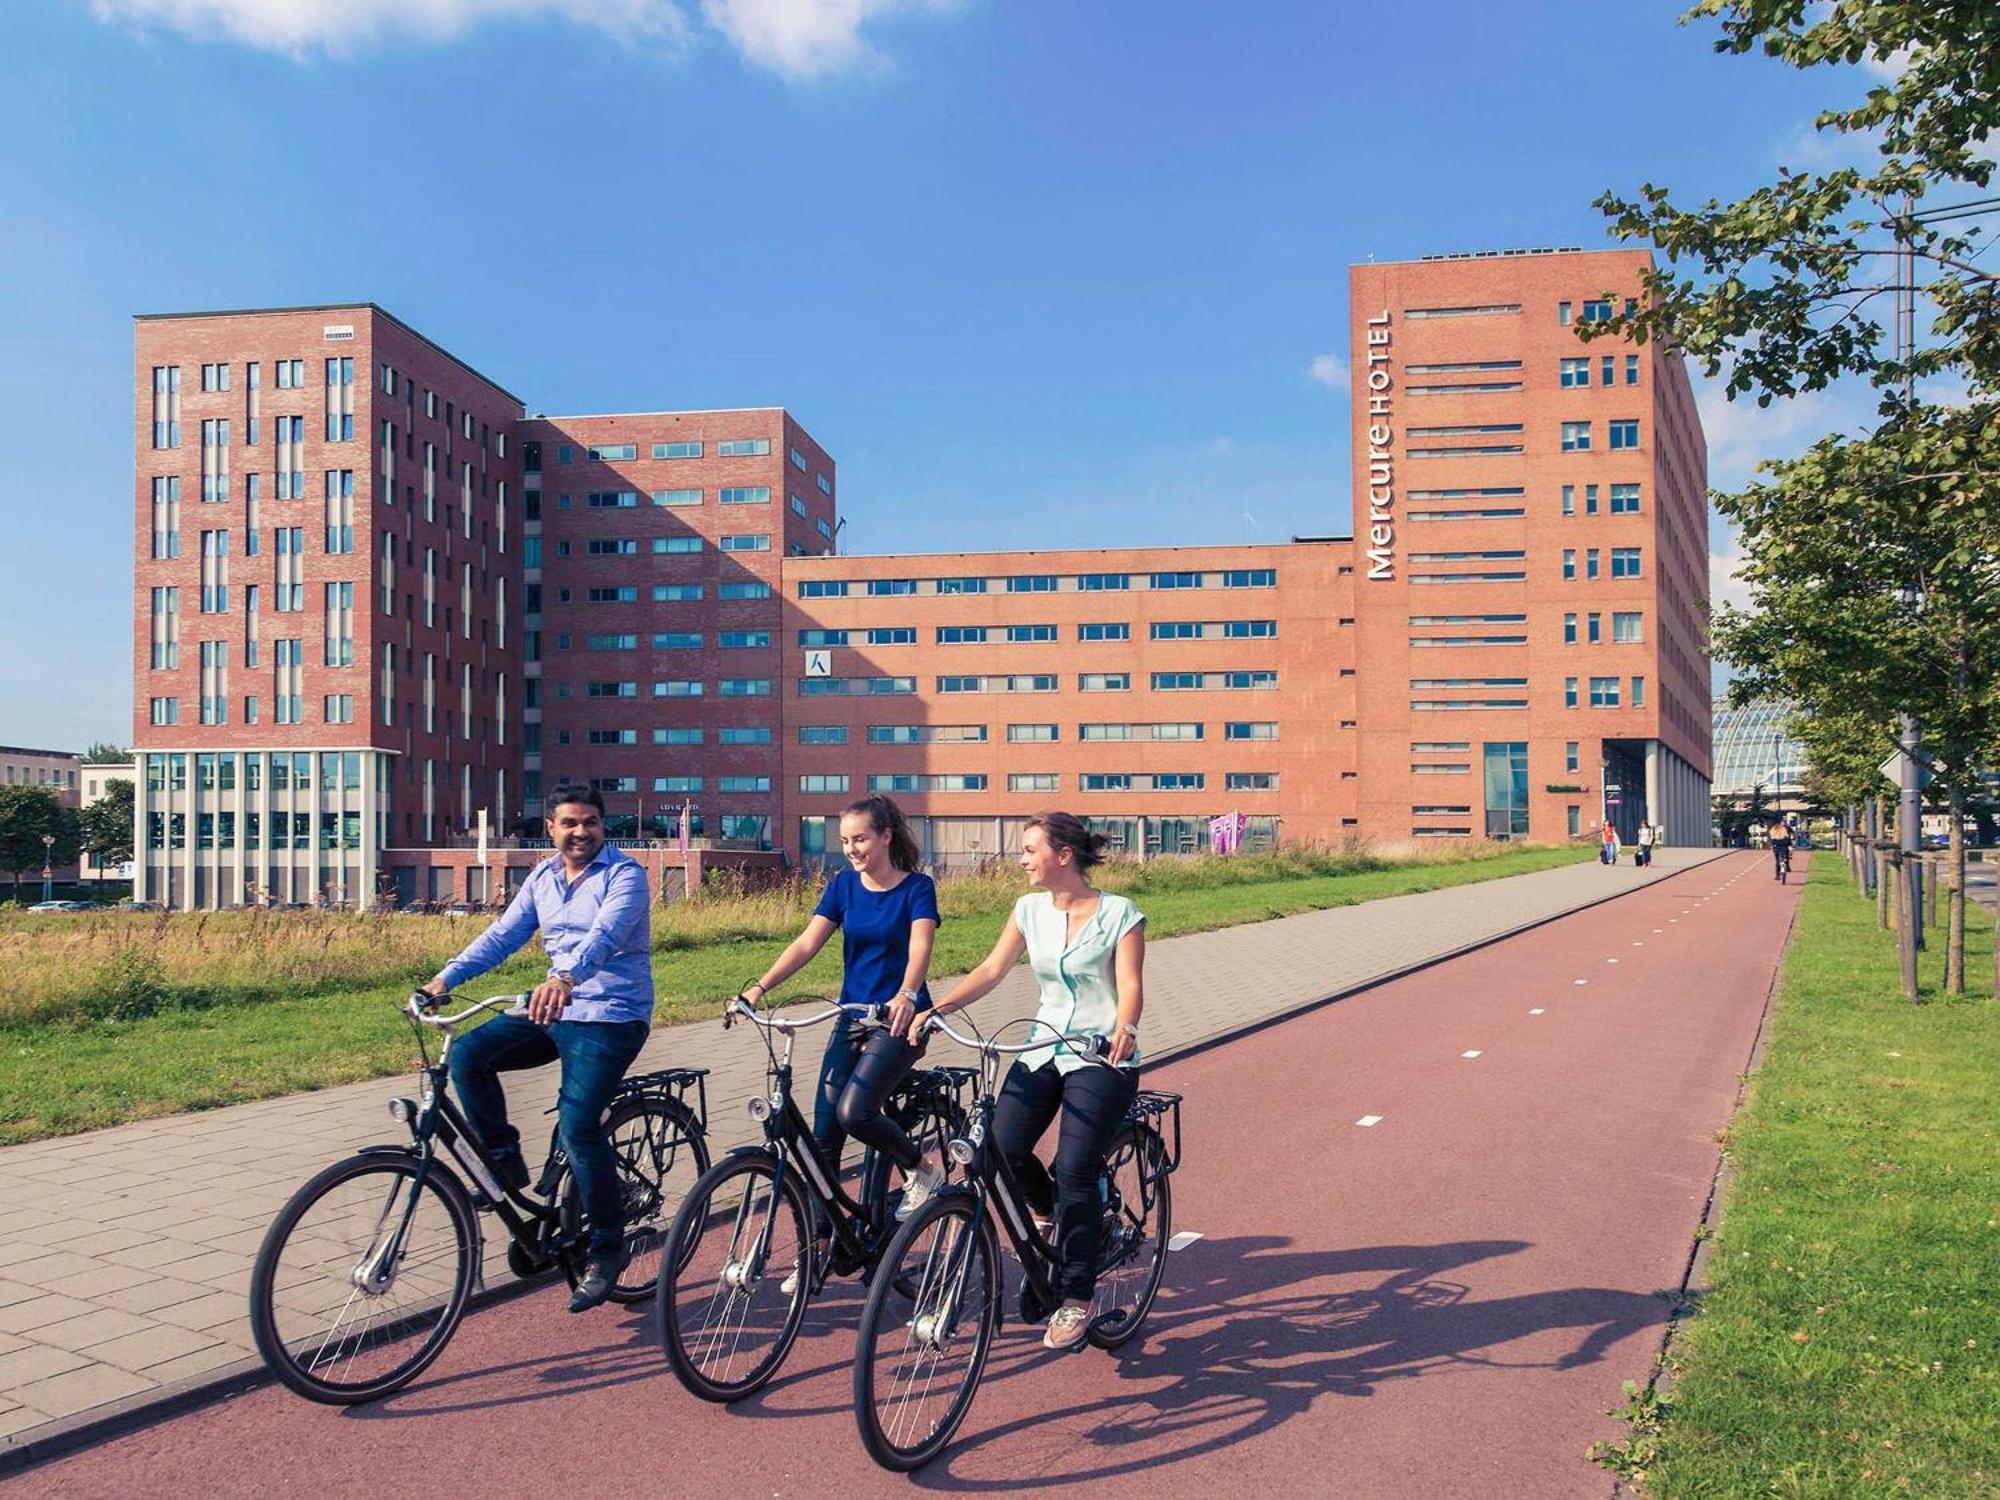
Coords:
pixel 595 1055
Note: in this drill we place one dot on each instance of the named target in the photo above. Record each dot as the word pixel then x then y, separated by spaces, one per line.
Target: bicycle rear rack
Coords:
pixel 1161 1113
pixel 674 1082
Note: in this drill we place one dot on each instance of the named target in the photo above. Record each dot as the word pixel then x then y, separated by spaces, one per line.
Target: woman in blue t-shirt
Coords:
pixel 887 913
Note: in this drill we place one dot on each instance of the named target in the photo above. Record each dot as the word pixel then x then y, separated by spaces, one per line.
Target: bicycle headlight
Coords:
pixel 759 1107
pixel 961 1151
pixel 404 1110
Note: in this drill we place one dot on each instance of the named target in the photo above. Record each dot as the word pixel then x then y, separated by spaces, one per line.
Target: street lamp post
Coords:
pixel 48 866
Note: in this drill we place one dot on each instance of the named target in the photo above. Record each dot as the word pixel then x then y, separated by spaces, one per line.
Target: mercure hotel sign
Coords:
pixel 1381 465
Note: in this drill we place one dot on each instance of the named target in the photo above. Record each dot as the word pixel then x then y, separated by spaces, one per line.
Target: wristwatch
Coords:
pixel 564 975
pixel 909 995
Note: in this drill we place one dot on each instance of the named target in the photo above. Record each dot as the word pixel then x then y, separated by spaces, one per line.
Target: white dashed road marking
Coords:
pixel 1473 1053
pixel 1185 1238
pixel 1582 981
pixel 1369 1120
pixel 1536 1011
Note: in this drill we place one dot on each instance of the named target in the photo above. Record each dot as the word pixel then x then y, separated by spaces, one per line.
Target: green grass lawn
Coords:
pixel 78 1075
pixel 1850 1344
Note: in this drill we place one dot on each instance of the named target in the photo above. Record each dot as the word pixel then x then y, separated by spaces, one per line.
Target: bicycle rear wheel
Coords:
pixel 925 1332
pixel 661 1154
pixel 1138 1220
pixel 725 1318
pixel 362 1278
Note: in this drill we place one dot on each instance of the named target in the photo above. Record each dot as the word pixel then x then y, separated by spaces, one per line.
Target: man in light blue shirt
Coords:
pixel 594 911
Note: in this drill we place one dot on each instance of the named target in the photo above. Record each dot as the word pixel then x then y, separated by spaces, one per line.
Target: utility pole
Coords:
pixel 1909 805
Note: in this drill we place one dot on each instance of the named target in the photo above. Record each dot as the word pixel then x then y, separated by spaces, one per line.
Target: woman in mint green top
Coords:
pixel 1088 950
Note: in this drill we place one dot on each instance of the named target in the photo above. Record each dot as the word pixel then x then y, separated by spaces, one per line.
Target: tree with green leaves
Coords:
pixel 1872 561
pixel 103 753
pixel 26 813
pixel 107 824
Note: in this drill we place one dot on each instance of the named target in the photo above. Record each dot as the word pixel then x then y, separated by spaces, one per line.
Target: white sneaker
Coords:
pixel 1067 1328
pixel 790 1285
pixel 917 1190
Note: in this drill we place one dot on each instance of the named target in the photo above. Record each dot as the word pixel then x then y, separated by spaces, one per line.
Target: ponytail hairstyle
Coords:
pixel 1067 831
pixel 888 820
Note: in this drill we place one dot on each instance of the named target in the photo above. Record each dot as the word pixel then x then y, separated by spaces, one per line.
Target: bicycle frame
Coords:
pixel 789 1140
pixel 436 1121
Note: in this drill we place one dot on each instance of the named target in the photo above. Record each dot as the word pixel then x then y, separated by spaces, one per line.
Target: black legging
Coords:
pixel 863 1065
pixel 1781 854
pixel 1093 1101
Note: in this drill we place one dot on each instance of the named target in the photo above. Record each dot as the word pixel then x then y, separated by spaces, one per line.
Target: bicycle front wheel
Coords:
pixel 362 1278
pixel 928 1324
pixel 735 1272
pixel 1138 1220
pixel 660 1152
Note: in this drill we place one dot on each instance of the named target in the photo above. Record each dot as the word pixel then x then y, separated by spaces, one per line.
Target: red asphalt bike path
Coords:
pixel 1439 1303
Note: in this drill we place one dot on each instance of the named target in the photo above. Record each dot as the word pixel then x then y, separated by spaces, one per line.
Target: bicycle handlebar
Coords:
pixel 1093 1045
pixel 416 1010
pixel 741 1009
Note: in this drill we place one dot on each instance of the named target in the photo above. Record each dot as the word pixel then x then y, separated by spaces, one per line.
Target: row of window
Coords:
pixel 1038 583
pixel 1117 630
pixel 1594 310
pixel 1576 372
pixel 1035 734
pixel 1625 562
pixel 1041 781
pixel 1627 628
pixel 288 708
pixel 1624 501
pixel 1603 692
pixel 1622 433
pixel 626 546
pixel 660 593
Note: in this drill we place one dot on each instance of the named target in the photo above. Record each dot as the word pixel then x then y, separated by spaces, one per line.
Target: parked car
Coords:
pixel 60 906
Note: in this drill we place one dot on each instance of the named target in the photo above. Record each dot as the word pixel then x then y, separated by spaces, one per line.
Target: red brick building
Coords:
pixel 326 600
pixel 1509 645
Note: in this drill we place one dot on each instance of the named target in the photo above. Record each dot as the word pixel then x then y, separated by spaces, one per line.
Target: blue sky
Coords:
pixel 1036 274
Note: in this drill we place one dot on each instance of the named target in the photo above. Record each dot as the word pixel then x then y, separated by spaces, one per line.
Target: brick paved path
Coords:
pixel 125 1253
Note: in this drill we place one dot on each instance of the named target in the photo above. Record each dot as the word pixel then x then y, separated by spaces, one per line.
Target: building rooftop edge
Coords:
pixel 671 411
pixel 306 307
pixel 1452 256
pixel 1051 551
pixel 51 754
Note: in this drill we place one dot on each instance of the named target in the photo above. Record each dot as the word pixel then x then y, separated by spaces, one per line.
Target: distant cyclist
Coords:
pixel 593 1012
pixel 1780 836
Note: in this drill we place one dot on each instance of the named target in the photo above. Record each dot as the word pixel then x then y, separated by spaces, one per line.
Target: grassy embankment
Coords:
pixel 1850 1344
pixel 106 1018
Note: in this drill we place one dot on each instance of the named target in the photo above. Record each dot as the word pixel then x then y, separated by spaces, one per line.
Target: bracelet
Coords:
pixel 1126 1028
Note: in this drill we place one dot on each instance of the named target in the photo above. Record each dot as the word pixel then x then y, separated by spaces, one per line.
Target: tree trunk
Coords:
pixel 1954 943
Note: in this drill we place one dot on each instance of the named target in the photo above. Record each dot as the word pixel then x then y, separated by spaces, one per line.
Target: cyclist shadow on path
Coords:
pixel 1242 1341
pixel 634 1355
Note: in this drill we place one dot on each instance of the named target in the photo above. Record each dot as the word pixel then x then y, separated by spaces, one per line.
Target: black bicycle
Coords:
pixel 1782 858
pixel 935 1300
pixel 363 1276
pixel 743 1257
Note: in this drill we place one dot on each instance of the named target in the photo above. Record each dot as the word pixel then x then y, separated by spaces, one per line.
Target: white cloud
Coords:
pixel 1725 582
pixel 807 38
pixel 1330 370
pixel 799 39
pixel 1741 434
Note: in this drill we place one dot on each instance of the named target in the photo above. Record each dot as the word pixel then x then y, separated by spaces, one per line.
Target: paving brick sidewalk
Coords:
pixel 125 1254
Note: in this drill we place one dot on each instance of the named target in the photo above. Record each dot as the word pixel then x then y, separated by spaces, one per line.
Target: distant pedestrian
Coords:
pixel 1608 854
pixel 1646 836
